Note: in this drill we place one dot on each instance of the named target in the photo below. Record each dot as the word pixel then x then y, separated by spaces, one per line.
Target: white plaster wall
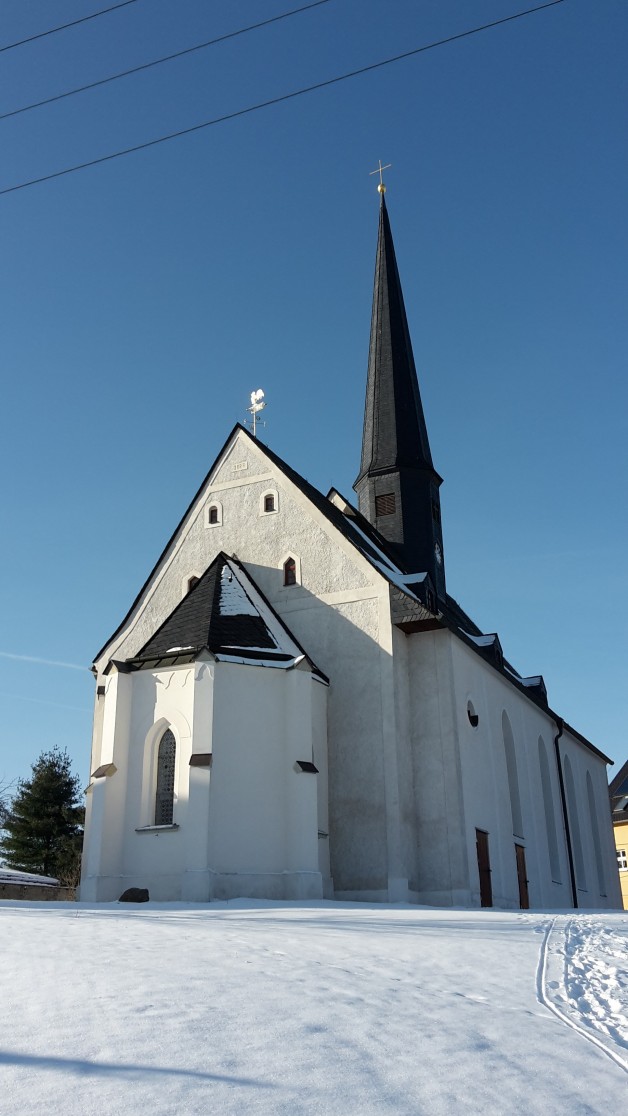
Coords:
pixel 196 883
pixel 441 870
pixel 486 789
pixel 319 756
pixel 156 858
pixel 104 822
pixel 347 636
pixel 99 713
pixel 263 815
pixel 403 688
pixel 596 893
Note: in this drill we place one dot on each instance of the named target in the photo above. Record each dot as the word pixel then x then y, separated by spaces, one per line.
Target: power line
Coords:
pixel 64 26
pixel 166 58
pixel 278 100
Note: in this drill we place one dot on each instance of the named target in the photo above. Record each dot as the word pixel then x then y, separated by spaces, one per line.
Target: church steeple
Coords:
pixel 398 485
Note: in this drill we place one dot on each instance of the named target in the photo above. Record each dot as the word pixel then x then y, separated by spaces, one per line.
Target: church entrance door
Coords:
pixel 524 898
pixel 484 868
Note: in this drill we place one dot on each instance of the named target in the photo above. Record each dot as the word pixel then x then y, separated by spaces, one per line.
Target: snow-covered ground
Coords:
pixel 246 1007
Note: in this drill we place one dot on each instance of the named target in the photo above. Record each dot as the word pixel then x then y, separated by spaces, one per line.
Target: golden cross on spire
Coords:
pixel 381 189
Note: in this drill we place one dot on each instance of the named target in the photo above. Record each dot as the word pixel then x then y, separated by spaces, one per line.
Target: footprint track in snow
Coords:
pixel 591 995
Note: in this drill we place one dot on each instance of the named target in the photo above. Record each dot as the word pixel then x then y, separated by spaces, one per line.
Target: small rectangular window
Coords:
pixel 622 860
pixel 385 505
pixel 213 514
pixel 269 503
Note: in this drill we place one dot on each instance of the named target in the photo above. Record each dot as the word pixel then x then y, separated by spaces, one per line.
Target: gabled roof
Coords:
pixel 618 791
pixel 226 614
pixel 619 785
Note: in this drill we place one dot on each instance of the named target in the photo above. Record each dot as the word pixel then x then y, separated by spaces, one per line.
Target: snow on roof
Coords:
pixel 236 594
pixel 283 663
pixel 384 564
pixel 15 876
pixel 233 599
pixel 482 640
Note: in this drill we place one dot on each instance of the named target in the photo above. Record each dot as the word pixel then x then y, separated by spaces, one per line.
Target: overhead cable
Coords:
pixel 64 26
pixel 276 100
pixel 159 61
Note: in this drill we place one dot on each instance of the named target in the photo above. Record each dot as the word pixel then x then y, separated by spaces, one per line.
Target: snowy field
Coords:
pixel 245 1008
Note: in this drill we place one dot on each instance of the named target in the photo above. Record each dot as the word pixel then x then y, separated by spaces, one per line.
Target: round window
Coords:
pixel 474 720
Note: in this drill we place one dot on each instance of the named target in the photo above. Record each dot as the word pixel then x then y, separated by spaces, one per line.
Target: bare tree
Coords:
pixel 5 799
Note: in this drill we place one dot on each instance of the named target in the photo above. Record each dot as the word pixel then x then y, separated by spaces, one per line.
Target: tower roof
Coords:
pixel 397 484
pixel 395 434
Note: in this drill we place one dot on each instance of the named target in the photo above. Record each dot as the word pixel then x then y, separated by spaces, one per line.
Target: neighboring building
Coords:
pixel 295 707
pixel 25 879
pixel 15 884
pixel 618 790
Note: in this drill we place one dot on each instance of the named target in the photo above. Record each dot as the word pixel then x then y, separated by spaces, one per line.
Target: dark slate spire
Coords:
pixel 397 485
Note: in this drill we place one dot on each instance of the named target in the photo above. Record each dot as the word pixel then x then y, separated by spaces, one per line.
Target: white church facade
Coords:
pixel 295 708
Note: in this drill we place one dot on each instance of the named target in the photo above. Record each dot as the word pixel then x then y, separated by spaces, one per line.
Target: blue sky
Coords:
pixel 142 301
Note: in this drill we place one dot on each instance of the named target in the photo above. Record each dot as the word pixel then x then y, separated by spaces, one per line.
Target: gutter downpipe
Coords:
pixel 563 801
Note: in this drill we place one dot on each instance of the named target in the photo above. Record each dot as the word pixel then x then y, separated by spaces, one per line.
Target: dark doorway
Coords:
pixel 484 868
pixel 524 898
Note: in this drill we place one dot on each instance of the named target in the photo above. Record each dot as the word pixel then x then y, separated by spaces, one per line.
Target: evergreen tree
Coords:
pixel 43 825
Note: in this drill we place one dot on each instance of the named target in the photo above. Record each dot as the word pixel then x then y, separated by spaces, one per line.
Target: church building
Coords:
pixel 294 707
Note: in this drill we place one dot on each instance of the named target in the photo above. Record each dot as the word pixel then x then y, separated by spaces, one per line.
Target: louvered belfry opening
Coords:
pixel 164 796
pixel 385 505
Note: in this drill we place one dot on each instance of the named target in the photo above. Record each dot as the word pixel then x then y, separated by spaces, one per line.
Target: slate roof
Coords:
pixel 226 614
pixel 395 432
pixel 398 486
pixel 618 791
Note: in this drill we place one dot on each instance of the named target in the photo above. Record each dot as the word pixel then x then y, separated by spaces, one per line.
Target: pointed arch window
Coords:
pixel 513 779
pixel 548 806
pixel 289 572
pixel 595 830
pixel 574 822
pixel 164 793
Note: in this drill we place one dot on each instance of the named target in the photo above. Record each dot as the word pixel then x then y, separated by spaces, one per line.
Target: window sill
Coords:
pixel 155 828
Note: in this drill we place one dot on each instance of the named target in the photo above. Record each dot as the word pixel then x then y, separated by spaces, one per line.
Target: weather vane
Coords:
pixel 257 405
pixel 381 189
